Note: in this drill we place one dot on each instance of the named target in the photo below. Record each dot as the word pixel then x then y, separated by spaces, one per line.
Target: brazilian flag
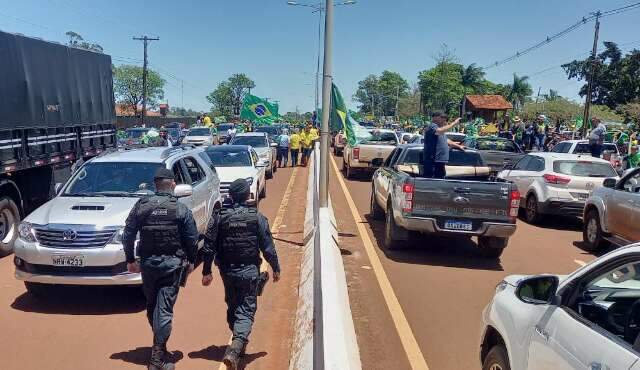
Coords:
pixel 258 110
pixel 340 117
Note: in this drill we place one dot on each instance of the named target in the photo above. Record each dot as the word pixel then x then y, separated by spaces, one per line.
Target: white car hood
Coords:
pixel 262 150
pixel 230 174
pixel 197 138
pixel 58 211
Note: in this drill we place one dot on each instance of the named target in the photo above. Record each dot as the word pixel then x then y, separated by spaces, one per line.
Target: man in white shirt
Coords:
pixel 283 149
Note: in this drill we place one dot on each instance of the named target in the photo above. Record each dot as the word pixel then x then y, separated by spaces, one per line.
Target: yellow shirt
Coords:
pixel 307 139
pixel 294 141
pixel 314 134
pixel 207 121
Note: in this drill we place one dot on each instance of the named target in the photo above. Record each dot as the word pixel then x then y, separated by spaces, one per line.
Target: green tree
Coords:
pixel 380 94
pixel 221 99
pixel 239 84
pixel 228 96
pixel 127 86
pixel 473 78
pixel 77 41
pixel 368 94
pixel 183 112
pixel 519 91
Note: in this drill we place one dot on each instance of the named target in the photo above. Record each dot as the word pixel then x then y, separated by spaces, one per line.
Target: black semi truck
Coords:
pixel 56 107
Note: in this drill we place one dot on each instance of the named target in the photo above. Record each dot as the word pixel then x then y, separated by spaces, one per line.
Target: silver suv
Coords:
pixel 76 238
pixel 612 213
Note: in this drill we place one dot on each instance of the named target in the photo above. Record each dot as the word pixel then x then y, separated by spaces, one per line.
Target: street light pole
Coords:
pixel 318 61
pixel 326 105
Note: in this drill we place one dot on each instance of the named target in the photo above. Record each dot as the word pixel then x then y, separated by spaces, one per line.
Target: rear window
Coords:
pixel 456 158
pixel 378 137
pixel 584 168
pixel 499 145
pixel 582 148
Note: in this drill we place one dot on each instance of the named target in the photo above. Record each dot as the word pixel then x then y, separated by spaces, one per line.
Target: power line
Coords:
pixel 564 32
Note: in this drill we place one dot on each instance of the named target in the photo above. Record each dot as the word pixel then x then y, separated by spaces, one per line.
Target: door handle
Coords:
pixel 597 366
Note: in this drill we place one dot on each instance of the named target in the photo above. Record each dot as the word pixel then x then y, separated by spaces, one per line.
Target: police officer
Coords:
pixel 167 251
pixel 234 239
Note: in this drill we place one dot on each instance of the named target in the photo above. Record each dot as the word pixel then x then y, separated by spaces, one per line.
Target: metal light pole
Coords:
pixel 327 80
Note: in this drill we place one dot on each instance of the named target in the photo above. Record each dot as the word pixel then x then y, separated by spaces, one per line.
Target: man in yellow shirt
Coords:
pixel 307 143
pixel 315 135
pixel 207 120
pixel 295 142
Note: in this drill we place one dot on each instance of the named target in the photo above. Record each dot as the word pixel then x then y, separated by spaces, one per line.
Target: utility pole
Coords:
pixel 320 9
pixel 397 101
pixel 327 81
pixel 538 97
pixel 146 40
pixel 587 103
pixel 182 93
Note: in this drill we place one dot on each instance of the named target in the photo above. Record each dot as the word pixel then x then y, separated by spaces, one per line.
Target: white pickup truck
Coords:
pixel 369 154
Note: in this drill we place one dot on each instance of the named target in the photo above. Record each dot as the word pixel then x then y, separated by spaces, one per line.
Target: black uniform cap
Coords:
pixel 238 188
pixel 162 174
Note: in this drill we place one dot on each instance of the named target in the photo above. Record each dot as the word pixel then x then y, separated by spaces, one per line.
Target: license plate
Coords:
pixel 74 261
pixel 458 225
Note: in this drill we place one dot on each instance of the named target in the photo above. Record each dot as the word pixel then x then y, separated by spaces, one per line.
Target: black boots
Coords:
pixel 233 354
pixel 157 359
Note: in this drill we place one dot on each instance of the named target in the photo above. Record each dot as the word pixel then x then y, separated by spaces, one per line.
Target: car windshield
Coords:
pixel 273 131
pixel 497 145
pixel 113 179
pixel 199 132
pixel 584 168
pixel 221 158
pixel 254 141
pixel 136 134
pixel 456 158
pixel 224 127
pixel 381 137
pixel 174 132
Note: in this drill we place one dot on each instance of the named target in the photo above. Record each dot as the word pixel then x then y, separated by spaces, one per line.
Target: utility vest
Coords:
pixel 159 231
pixel 238 236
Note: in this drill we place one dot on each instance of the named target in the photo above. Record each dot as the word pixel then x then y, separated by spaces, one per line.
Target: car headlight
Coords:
pixel 249 180
pixel 26 232
pixel 117 237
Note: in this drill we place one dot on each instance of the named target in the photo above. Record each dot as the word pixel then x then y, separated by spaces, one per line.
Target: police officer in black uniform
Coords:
pixel 167 251
pixel 234 239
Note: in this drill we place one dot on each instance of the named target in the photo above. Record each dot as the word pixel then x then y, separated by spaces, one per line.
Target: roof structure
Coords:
pixel 492 102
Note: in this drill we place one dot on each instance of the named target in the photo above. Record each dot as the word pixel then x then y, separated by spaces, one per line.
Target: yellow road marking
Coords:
pixel 581 263
pixel 274 228
pixel 409 343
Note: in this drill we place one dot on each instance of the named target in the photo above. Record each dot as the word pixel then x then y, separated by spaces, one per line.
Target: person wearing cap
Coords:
pixel 167 251
pixel 518 130
pixel 436 145
pixel 632 160
pixel 234 240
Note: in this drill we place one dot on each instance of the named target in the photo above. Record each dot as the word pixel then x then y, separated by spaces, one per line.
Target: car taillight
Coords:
pixel 514 203
pixel 555 179
pixel 356 153
pixel 407 200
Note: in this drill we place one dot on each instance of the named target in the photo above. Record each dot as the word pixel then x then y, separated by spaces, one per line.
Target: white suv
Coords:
pixel 76 238
pixel 263 146
pixel 556 183
pixel 587 320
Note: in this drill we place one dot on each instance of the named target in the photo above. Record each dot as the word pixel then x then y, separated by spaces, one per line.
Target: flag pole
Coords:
pixel 326 105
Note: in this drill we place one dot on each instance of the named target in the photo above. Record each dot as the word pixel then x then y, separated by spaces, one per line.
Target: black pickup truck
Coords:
pixel 495 151
pixel 468 202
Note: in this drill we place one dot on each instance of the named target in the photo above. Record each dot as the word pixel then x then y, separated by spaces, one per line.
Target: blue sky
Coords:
pixel 202 42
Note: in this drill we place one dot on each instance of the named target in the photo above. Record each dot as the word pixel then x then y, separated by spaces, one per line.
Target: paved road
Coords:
pixel 95 328
pixel 441 285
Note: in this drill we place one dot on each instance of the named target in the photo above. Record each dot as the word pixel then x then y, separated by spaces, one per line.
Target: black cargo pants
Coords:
pixel 240 294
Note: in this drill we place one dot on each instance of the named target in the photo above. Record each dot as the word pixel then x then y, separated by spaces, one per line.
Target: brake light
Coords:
pixel 555 179
pixel 356 153
pixel 407 201
pixel 514 204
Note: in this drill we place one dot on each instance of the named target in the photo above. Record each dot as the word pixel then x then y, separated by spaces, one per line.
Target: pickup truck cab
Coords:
pixel 612 212
pixel 496 152
pixel 76 238
pixel 369 154
pixel 586 320
pixel 467 203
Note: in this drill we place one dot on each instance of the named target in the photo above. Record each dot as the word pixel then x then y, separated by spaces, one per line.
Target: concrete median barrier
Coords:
pixel 325 334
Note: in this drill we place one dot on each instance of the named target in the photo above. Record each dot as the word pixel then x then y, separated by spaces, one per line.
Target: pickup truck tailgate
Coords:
pixel 462 205
pixel 371 153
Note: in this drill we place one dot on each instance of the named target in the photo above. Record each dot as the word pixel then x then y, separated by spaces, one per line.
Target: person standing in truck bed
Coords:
pixel 436 145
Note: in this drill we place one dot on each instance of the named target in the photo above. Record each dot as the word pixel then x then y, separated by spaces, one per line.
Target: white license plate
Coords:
pixel 458 225
pixel 74 261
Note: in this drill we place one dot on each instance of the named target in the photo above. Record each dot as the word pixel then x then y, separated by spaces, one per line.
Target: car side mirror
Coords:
pixel 538 289
pixel 57 188
pixel 183 190
pixel 274 145
pixel 609 182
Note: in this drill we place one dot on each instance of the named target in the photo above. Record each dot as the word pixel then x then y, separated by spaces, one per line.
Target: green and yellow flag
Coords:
pixel 340 117
pixel 258 110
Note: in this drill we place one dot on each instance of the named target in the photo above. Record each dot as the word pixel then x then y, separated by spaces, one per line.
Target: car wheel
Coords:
pixel 532 213
pixel 592 232
pixel 344 165
pixel 335 151
pixel 9 220
pixel 38 290
pixel 492 247
pixel 391 231
pixel 350 172
pixel 497 359
pixel 274 167
pixel 263 192
pixel 269 173
pixel 376 212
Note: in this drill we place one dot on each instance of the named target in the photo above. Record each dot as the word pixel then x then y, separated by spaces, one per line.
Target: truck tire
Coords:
pixel 9 220
pixel 376 212
pixel 269 173
pixel 592 234
pixel 532 211
pixel 350 172
pixel 392 231
pixel 263 192
pixel 497 359
pixel 491 246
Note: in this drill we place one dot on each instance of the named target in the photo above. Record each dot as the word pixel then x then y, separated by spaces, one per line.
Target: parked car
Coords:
pixel 369 154
pixel 76 238
pixel 466 203
pixel 556 183
pixel 612 212
pixel 266 150
pixel 586 320
pixel 199 136
pixel 273 132
pixel 582 147
pixel 174 134
pixel 233 162
pixel 223 132
pixel 406 137
pixel 339 142
pixel 495 151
